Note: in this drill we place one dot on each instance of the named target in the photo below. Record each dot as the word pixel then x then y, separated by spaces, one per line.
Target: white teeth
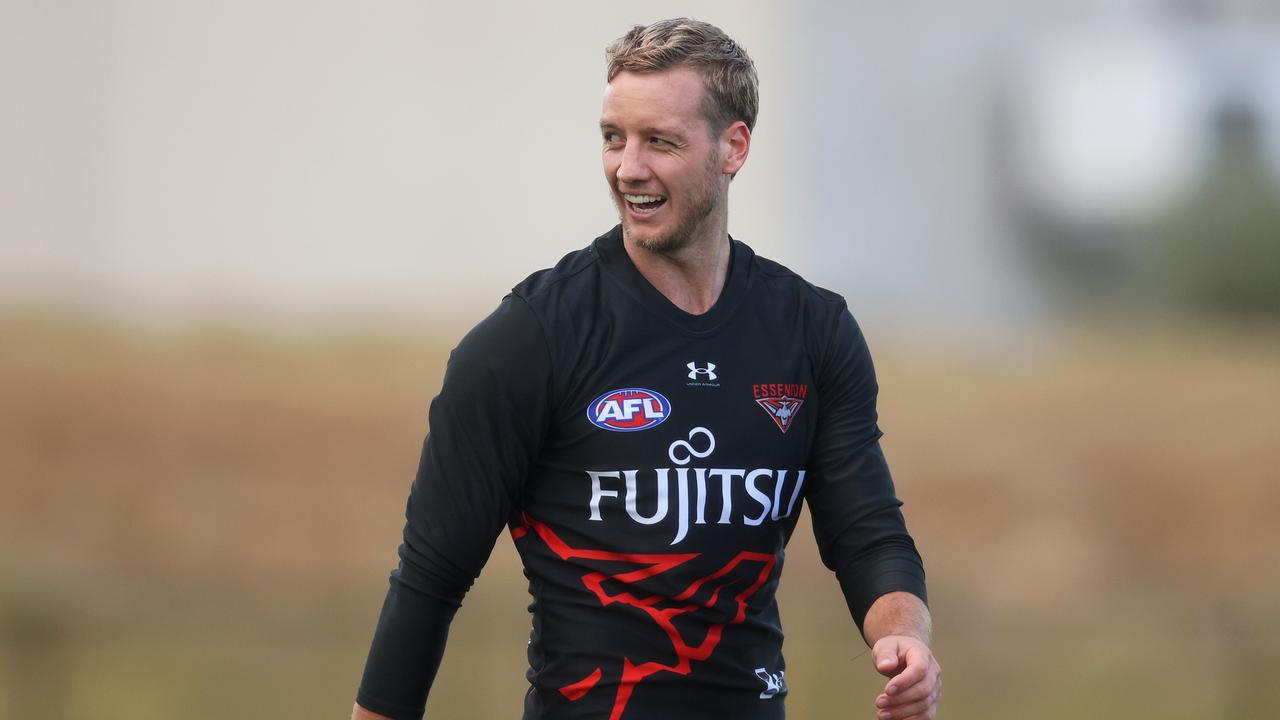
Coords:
pixel 641 199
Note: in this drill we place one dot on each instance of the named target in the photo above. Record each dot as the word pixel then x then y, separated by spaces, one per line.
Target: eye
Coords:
pixel 611 136
pixel 658 141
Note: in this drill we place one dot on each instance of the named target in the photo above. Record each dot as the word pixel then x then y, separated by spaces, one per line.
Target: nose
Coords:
pixel 632 168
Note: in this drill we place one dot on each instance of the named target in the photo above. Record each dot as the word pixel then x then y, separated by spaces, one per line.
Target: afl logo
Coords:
pixel 628 410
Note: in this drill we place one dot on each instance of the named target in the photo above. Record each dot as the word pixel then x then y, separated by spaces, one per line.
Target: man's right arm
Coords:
pixel 407 647
pixel 487 427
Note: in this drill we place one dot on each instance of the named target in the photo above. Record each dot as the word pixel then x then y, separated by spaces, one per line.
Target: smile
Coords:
pixel 644 204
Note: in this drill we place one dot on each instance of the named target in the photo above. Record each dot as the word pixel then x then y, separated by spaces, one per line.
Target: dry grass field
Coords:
pixel 197 522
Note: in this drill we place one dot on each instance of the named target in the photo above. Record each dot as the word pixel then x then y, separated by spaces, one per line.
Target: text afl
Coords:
pixel 629 410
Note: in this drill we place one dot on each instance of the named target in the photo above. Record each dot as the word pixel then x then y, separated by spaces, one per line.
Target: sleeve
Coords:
pixel 487 425
pixel 857 523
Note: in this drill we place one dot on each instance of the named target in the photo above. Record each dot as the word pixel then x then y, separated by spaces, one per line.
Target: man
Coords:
pixel 647 419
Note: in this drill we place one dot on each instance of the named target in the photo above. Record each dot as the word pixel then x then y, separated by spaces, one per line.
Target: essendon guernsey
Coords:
pixel 650 466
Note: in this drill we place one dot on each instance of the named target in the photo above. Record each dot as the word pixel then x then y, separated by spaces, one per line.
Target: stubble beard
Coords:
pixel 699 210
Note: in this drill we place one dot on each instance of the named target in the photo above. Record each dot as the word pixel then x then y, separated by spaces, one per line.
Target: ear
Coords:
pixel 735 145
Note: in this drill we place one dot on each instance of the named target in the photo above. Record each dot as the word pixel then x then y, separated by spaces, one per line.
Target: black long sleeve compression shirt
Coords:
pixel 650 465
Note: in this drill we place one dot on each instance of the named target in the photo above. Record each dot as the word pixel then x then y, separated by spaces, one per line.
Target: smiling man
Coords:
pixel 647 419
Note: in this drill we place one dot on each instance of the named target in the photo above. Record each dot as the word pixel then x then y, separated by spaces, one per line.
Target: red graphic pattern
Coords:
pixel 575 691
pixel 654 564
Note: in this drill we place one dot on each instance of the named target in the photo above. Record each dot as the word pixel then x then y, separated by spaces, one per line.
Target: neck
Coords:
pixel 691 276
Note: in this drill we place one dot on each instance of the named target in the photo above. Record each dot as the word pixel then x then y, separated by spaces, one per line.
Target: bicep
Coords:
pixel 487 425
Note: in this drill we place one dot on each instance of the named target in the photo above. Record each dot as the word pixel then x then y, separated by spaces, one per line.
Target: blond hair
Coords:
pixel 730 88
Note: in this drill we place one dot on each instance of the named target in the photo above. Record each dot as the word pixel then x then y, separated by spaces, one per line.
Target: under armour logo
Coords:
pixel 709 372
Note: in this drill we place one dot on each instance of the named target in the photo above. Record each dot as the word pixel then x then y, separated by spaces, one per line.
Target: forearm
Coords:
pixel 898 628
pixel 359 713
pixel 898 613
pixel 407 647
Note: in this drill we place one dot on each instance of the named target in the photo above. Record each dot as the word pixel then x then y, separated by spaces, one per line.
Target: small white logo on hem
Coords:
pixel 773 682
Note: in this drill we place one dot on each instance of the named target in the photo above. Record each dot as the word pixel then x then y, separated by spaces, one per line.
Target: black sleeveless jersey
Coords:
pixel 650 466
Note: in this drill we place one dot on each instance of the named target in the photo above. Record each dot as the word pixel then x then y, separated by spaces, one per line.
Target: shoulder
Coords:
pixel 823 318
pixel 561 302
pixel 526 315
pixel 781 282
pixel 571 275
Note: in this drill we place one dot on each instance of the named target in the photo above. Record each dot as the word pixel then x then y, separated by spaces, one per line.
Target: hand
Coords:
pixel 915 679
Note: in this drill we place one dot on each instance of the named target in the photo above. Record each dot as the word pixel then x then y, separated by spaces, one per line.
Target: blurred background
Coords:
pixel 238 240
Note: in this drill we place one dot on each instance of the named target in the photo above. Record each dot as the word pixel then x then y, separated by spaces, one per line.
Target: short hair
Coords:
pixel 730 87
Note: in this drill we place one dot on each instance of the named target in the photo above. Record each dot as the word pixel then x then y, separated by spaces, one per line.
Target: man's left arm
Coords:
pixel 860 530
pixel 898 628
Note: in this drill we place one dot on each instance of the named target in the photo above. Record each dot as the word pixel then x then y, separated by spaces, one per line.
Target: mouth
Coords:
pixel 643 205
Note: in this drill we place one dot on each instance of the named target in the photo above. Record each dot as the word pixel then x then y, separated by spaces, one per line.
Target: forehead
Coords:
pixel 667 98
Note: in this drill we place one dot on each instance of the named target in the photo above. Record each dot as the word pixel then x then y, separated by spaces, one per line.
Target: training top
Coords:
pixel 650 466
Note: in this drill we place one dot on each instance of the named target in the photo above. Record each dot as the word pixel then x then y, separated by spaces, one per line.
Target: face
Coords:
pixel 665 171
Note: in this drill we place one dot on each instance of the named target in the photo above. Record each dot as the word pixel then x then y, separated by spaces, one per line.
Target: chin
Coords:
pixel 653 240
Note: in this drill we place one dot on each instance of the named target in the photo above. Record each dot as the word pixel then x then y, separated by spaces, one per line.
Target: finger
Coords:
pixel 886 656
pixel 915 693
pixel 926 712
pixel 926 708
pixel 918 665
pixel 906 679
pixel 905 711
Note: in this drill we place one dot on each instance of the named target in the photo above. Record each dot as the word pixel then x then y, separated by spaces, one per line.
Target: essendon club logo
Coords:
pixel 781 400
pixel 628 410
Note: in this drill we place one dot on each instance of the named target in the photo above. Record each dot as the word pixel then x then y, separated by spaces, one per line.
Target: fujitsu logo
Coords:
pixel 716 486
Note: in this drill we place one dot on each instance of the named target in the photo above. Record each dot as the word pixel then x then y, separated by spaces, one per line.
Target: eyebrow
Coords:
pixel 671 132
